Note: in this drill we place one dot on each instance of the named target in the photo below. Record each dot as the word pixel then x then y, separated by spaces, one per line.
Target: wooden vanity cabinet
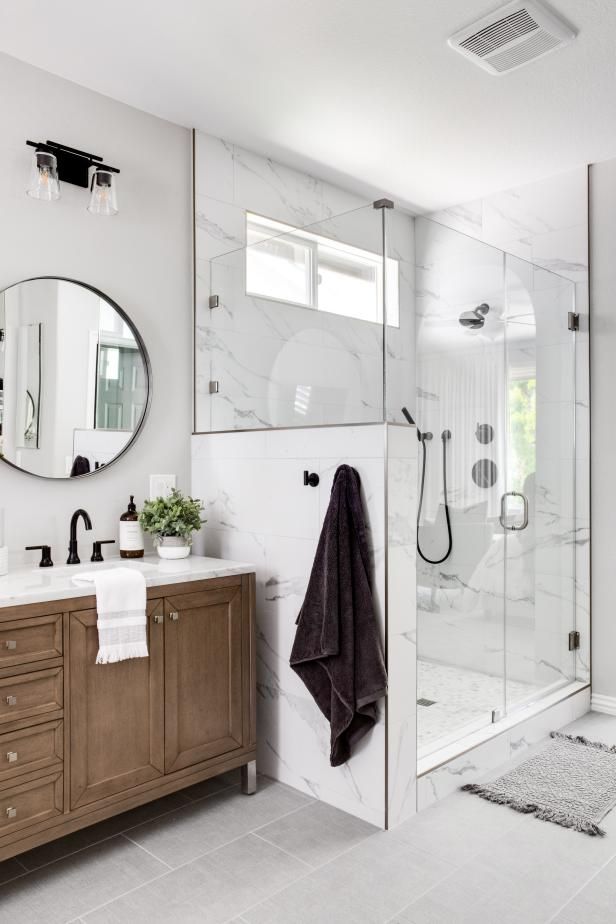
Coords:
pixel 81 742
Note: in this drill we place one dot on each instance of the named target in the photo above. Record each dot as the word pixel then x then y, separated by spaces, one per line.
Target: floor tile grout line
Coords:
pixel 434 885
pixel 119 833
pixel 282 850
pixel 224 843
pixel 280 817
pixel 344 851
pixel 85 914
pixel 173 869
pixel 13 879
pixel 268 898
pixel 581 889
pixel 145 850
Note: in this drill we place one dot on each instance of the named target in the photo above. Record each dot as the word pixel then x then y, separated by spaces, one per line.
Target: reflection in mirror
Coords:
pixel 74 379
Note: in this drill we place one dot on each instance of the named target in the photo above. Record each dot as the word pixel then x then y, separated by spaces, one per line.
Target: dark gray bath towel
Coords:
pixel 337 649
pixel 81 466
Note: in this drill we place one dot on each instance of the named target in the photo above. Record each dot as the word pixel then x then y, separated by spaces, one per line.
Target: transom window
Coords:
pixel 317 272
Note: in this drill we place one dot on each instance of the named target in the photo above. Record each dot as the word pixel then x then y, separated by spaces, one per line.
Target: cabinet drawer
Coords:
pixel 30 802
pixel 26 749
pixel 31 694
pixel 25 640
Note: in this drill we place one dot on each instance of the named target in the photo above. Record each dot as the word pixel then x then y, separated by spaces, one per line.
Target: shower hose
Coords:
pixel 445 437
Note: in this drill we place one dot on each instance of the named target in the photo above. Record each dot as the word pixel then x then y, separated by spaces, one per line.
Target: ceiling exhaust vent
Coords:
pixel 512 36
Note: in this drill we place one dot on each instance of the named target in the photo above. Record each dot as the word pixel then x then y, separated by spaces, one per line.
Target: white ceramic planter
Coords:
pixel 172 547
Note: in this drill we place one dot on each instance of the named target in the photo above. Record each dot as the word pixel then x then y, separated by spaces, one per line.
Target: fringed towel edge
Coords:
pixel 528 808
pixel 580 739
pixel 111 654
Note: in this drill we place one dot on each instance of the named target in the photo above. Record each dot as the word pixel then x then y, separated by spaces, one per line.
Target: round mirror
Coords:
pixel 74 378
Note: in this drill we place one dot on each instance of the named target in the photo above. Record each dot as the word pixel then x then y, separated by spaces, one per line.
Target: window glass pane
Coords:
pixel 347 285
pixel 279 267
pixel 303 268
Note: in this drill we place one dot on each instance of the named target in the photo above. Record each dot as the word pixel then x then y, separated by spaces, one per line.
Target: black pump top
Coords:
pixel 132 507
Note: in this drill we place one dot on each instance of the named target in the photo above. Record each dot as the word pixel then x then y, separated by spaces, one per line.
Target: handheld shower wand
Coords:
pixel 423 439
pixel 445 437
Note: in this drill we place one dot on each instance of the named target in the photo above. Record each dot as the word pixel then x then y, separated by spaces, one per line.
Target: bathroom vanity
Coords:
pixel 80 742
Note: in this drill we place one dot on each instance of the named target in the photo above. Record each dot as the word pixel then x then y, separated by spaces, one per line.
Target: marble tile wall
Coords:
pixel 401 483
pixel 258 510
pixel 277 364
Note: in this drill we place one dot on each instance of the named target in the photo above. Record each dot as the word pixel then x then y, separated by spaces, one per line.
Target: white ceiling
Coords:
pixel 363 92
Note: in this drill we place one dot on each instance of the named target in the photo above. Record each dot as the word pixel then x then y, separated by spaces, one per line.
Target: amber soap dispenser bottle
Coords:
pixel 131 535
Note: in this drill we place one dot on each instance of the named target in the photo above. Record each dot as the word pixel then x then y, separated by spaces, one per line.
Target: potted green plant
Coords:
pixel 172 520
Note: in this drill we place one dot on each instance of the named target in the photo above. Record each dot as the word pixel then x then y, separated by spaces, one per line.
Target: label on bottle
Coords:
pixel 131 536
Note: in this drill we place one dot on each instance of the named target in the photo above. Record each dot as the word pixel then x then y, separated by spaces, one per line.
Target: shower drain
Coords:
pixel 426 702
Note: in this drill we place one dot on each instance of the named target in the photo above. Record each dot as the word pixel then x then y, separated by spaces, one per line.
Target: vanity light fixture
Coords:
pixel 53 162
pixel 44 183
pixel 103 198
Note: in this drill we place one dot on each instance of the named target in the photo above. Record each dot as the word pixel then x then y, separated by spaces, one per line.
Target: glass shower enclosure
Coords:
pixel 352 319
pixel 496 539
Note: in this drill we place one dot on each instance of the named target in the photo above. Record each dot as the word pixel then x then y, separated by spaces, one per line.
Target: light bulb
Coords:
pixel 103 200
pixel 44 183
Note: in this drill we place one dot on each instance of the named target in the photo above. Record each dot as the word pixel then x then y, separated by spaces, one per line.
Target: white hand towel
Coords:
pixel 120 608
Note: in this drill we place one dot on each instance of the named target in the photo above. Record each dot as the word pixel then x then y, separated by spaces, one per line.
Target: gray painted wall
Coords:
pixel 603 423
pixel 140 258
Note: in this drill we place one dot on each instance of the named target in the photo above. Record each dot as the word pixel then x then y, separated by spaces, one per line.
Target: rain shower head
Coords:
pixel 475 319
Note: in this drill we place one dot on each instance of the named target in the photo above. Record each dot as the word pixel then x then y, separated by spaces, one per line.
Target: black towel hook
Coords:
pixel 311 478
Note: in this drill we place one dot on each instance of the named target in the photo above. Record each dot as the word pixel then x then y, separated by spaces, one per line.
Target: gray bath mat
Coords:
pixel 571 783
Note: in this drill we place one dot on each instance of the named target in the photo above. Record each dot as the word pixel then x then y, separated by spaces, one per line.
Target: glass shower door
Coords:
pixel 461 373
pixel 538 504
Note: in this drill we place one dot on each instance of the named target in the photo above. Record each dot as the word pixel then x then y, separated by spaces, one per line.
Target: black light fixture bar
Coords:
pixel 73 164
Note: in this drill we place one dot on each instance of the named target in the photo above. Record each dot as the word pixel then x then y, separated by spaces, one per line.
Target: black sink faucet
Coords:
pixel 73 557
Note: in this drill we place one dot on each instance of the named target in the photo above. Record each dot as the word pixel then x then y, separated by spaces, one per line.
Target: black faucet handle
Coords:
pixel 97 554
pixel 45 561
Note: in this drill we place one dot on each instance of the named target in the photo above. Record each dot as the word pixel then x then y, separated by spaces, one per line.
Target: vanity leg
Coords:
pixel 249 778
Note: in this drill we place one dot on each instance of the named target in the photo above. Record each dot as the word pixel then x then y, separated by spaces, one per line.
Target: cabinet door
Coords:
pixel 117 713
pixel 204 701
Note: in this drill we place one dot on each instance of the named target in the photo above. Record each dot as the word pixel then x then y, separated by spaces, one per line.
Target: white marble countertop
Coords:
pixel 38 585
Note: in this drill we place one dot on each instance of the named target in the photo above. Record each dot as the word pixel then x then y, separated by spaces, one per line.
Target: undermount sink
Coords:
pixel 61 570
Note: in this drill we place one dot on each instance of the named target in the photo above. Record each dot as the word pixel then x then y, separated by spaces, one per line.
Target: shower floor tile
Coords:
pixel 460 698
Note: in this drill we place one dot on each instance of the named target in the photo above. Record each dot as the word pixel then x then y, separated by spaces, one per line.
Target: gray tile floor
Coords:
pixel 210 854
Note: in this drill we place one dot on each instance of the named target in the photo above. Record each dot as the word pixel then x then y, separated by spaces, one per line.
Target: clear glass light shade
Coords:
pixel 44 183
pixel 103 198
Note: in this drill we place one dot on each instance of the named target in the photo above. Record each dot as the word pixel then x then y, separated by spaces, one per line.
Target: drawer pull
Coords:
pixel 11 812
pixel 11 645
pixel 157 617
pixel 11 700
pixel 174 616
pixel 11 756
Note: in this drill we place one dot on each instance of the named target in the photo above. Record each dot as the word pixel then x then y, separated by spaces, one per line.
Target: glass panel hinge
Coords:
pixel 573 320
pixel 574 640
pixel 213 301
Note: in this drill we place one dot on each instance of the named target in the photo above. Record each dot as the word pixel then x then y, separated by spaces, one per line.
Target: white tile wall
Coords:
pixel 401 621
pixel 259 510
pixel 280 365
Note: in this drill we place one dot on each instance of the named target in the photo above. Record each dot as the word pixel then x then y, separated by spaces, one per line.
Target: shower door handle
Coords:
pixel 503 513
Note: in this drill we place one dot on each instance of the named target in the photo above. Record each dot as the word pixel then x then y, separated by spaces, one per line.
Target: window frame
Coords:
pixel 312 241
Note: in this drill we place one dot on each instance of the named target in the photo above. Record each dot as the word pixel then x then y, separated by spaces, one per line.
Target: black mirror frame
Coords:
pixel 148 375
